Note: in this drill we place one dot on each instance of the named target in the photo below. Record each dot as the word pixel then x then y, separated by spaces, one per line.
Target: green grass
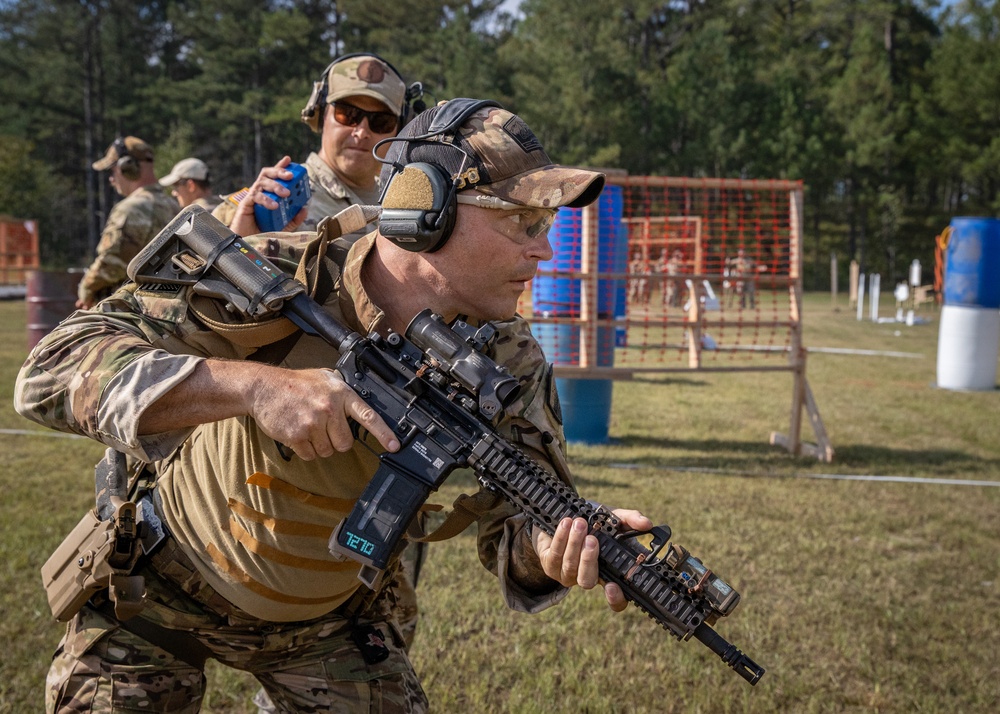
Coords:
pixel 858 596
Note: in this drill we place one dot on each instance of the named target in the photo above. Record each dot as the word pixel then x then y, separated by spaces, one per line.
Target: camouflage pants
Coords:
pixel 314 666
pixel 405 609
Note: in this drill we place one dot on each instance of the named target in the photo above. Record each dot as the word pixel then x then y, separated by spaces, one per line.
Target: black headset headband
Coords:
pixel 120 148
pixel 447 120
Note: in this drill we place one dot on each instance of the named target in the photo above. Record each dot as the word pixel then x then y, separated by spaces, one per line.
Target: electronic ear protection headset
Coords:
pixel 128 164
pixel 419 201
pixel 315 108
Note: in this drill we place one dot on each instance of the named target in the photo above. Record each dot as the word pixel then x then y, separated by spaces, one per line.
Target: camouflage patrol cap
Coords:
pixel 366 76
pixel 133 146
pixel 506 160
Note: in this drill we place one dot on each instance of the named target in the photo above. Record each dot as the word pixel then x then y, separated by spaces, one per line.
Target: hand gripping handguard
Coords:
pixel 443 397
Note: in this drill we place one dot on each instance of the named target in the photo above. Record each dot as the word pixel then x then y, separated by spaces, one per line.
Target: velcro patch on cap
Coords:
pixel 521 134
pixel 371 71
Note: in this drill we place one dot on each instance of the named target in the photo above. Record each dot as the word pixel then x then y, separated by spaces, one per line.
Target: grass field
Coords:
pixel 858 596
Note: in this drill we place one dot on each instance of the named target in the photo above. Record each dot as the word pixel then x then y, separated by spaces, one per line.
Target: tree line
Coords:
pixel 888 110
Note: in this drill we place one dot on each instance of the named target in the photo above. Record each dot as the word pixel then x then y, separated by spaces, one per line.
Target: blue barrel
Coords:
pixel 558 296
pixel 972 263
pixel 586 407
pixel 586 403
pixel 561 344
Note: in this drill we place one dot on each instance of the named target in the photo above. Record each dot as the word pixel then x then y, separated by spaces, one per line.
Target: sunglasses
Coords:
pixel 378 122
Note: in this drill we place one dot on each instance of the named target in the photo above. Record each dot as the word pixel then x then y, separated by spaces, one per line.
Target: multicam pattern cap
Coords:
pixel 506 160
pixel 134 147
pixel 366 76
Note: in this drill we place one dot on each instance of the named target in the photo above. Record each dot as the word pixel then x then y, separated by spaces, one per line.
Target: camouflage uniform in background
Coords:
pixel 271 602
pixel 131 224
pixel 208 202
pixel 671 267
pixel 745 269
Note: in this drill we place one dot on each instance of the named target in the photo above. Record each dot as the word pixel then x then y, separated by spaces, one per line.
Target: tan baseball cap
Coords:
pixel 366 76
pixel 505 159
pixel 191 168
pixel 129 146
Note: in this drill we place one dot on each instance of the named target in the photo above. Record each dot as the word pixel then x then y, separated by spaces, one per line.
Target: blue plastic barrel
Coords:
pixel 969 337
pixel 561 344
pixel 586 403
pixel 555 295
pixel 972 263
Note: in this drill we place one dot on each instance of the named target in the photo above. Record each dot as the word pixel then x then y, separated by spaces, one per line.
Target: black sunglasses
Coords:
pixel 378 122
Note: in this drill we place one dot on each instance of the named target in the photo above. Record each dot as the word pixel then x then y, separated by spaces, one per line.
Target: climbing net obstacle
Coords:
pixel 669 274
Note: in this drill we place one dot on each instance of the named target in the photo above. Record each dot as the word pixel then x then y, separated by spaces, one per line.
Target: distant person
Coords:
pixel 672 268
pixel 359 100
pixel 133 221
pixel 744 269
pixel 190 183
pixel 638 282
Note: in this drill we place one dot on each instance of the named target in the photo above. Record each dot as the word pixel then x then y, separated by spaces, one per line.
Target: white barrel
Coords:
pixel 968 347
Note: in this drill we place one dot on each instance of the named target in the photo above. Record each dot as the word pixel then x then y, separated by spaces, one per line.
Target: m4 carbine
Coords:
pixel 442 397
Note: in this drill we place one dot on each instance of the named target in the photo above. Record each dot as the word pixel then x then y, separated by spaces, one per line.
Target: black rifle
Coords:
pixel 442 397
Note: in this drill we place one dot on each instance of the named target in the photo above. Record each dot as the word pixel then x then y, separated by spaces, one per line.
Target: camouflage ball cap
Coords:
pixel 366 76
pixel 133 146
pixel 506 160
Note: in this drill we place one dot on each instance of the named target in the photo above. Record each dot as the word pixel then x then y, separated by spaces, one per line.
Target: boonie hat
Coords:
pixel 186 169
pixel 366 76
pixel 506 158
pixel 134 147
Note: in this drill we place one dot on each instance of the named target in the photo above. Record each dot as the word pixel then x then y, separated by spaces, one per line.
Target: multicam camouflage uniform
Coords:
pixel 208 202
pixel 246 572
pixel 131 224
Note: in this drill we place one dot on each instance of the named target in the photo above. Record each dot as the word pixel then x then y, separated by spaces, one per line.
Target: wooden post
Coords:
pixel 833 280
pixel 588 287
pixel 694 324
pixel 852 289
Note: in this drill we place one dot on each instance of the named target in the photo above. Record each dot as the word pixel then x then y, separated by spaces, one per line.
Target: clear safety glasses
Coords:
pixel 521 224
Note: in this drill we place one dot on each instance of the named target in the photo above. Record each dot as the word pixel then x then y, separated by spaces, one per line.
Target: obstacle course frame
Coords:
pixel 730 302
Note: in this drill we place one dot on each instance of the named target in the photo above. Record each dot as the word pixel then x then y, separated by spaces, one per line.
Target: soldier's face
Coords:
pixel 185 191
pixel 348 149
pixel 484 269
pixel 116 179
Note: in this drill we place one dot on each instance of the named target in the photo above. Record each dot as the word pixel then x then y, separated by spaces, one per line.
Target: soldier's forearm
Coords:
pixel 216 389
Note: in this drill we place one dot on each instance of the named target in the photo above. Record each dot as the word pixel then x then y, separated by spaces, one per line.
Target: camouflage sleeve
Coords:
pixel 534 423
pixel 131 224
pixel 225 211
pixel 108 268
pixel 100 369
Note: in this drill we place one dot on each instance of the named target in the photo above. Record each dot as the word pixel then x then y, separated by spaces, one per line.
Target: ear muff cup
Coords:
pixel 312 113
pixel 419 208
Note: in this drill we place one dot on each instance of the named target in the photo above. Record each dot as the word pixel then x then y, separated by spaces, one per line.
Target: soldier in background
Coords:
pixel 357 101
pixel 133 221
pixel 638 282
pixel 744 270
pixel 672 267
pixel 190 183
